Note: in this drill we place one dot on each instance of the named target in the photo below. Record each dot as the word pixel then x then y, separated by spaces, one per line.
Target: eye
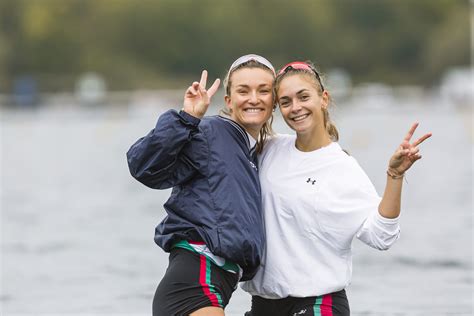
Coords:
pixel 284 103
pixel 304 97
pixel 242 92
pixel 265 91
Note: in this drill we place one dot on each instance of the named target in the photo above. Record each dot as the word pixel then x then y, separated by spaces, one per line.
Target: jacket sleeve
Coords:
pixel 157 159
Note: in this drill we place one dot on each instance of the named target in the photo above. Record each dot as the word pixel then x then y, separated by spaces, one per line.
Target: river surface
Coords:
pixel 77 229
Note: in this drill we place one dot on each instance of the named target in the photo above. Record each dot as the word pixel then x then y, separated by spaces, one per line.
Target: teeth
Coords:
pixel 299 118
pixel 252 110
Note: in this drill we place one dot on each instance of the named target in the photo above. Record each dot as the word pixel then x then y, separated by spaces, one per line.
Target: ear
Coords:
pixel 228 102
pixel 325 100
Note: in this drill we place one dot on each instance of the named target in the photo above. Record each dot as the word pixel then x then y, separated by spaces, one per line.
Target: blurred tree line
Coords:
pixel 161 43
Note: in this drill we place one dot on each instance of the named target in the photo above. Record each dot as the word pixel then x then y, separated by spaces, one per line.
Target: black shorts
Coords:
pixel 192 282
pixel 334 304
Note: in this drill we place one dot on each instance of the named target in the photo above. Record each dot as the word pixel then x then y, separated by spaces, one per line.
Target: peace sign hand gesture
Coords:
pixel 197 98
pixel 406 154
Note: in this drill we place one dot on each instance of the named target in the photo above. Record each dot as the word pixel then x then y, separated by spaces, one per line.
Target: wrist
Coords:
pixel 189 118
pixel 394 174
pixel 192 113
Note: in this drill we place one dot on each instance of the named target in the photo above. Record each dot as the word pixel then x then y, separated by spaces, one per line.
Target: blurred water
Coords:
pixel 77 230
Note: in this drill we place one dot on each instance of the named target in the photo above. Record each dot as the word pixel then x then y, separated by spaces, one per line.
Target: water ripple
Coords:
pixel 437 263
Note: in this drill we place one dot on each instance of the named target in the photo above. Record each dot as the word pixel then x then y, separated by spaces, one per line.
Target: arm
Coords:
pixel 381 229
pixel 157 160
pixel 403 158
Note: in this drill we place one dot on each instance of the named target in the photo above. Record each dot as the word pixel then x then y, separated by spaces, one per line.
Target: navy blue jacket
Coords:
pixel 216 192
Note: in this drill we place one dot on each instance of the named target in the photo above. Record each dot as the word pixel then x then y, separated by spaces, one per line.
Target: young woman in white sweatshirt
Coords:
pixel 316 199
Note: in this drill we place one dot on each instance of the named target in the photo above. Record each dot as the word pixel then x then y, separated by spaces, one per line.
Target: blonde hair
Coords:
pixel 315 78
pixel 266 129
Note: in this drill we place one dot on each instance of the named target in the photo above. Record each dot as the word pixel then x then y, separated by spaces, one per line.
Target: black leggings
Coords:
pixel 333 304
pixel 192 282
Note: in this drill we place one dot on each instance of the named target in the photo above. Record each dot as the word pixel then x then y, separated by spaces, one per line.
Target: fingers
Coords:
pixel 199 88
pixel 415 157
pixel 203 80
pixel 413 152
pixel 212 90
pixel 422 139
pixel 400 153
pixel 193 89
pixel 202 92
pixel 411 132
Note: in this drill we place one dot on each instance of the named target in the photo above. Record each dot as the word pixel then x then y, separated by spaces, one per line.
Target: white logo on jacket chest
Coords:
pixel 253 165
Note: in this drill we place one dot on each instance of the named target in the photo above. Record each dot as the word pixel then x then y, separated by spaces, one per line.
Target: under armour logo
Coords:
pixel 311 181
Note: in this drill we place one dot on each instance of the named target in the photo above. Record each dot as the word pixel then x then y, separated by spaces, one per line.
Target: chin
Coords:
pixel 293 126
pixel 252 125
pixel 299 129
pixel 254 121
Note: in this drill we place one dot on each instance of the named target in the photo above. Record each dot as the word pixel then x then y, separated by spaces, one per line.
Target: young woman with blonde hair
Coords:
pixel 316 200
pixel 214 224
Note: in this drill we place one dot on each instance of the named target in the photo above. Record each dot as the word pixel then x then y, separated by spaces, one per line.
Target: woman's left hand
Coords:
pixel 406 154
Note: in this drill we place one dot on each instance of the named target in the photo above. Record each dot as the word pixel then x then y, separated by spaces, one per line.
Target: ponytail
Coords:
pixel 330 127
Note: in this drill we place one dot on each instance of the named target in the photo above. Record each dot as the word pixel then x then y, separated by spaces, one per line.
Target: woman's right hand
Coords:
pixel 406 154
pixel 197 98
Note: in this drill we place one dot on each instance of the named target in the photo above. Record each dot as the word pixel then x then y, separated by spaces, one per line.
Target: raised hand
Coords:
pixel 197 98
pixel 406 154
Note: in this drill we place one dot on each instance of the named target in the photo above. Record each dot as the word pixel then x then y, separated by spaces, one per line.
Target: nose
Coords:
pixel 295 106
pixel 253 98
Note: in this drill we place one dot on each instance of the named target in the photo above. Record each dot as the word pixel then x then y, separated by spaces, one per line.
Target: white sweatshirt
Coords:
pixel 314 204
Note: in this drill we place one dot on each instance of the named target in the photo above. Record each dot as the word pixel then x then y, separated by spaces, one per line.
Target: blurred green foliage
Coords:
pixel 160 43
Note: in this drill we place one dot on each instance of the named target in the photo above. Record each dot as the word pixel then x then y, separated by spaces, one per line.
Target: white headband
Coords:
pixel 254 57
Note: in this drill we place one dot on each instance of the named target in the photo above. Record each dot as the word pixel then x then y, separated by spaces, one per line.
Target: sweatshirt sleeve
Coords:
pixel 157 159
pixel 374 230
pixel 379 232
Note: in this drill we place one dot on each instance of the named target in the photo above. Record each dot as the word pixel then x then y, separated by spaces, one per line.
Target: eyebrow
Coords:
pixel 297 93
pixel 301 91
pixel 247 86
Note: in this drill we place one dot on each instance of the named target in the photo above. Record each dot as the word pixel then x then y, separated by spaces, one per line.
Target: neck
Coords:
pixel 311 142
pixel 253 132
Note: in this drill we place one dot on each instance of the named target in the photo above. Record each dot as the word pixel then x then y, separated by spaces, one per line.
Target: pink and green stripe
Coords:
pixel 323 305
pixel 205 281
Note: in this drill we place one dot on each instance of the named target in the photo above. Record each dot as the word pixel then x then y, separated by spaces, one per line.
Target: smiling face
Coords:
pixel 302 103
pixel 250 99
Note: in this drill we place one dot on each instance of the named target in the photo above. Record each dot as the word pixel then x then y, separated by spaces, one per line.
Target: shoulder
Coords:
pixel 275 144
pixel 210 121
pixel 278 140
pixel 220 122
pixel 213 125
pixel 352 166
pixel 346 167
pixel 346 163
